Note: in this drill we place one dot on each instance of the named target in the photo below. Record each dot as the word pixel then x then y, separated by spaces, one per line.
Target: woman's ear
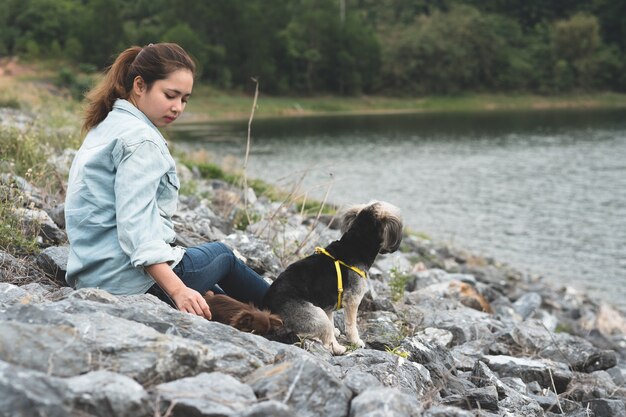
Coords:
pixel 139 85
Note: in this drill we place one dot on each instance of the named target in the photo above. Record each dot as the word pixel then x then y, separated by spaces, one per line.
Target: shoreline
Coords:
pixel 228 107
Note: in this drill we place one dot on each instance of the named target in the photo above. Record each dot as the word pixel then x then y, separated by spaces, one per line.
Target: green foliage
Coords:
pixel 397 283
pixel 576 43
pixel 10 102
pixel 15 238
pixel 243 219
pixel 398 351
pixel 76 82
pixel 368 46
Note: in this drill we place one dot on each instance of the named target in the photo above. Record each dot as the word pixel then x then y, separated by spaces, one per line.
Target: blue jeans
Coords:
pixel 213 266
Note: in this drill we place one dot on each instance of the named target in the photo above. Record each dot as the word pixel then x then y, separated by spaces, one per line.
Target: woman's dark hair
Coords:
pixel 152 63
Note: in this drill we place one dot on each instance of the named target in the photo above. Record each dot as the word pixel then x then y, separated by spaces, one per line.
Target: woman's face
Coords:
pixel 166 99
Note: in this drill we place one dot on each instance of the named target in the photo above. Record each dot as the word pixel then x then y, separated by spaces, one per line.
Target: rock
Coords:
pixel 57 214
pixel 606 407
pixel 434 357
pixel 438 336
pixel 543 371
pixel 585 387
pixel 527 304
pixel 580 354
pixel 12 294
pixel 391 370
pixel 510 399
pixel 53 261
pixel 396 261
pixel 485 398
pixel 30 393
pixel 359 381
pixel 258 255
pixel 103 393
pixel 304 386
pixel 383 330
pixel 38 223
pixel 204 395
pixel 384 402
pixel 610 321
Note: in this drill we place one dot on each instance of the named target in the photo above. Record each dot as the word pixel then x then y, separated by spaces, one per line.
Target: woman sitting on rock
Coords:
pixel 123 190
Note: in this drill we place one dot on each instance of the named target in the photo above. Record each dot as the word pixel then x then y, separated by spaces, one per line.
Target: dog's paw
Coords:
pixel 358 343
pixel 337 349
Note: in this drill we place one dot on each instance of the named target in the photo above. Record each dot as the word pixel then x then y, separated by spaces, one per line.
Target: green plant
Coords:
pixel 397 283
pixel 398 351
pixel 10 102
pixel 17 236
pixel 242 220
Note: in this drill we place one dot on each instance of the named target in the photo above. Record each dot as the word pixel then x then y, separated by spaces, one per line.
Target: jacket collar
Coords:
pixel 127 106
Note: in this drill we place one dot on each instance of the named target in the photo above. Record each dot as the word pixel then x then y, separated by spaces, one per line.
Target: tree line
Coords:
pixel 397 47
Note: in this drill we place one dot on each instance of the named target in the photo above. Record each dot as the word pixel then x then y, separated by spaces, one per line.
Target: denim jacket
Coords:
pixel 122 192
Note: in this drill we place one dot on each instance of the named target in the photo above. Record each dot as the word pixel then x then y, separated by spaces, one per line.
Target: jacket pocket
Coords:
pixel 172 178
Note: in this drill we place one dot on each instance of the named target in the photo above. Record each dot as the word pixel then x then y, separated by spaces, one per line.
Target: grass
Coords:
pixel 209 104
pixel 397 283
pixel 17 237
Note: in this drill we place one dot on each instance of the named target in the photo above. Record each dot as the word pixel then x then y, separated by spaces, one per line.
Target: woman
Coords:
pixel 123 190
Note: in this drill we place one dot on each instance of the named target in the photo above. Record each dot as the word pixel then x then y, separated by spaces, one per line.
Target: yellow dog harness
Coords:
pixel 338 264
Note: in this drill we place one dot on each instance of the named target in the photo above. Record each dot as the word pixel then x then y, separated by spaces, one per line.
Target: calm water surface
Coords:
pixel 542 191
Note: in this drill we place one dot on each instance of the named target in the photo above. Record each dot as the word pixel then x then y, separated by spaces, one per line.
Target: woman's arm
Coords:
pixel 186 299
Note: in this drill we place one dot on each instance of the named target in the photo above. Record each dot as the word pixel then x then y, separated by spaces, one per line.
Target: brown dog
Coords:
pixel 242 316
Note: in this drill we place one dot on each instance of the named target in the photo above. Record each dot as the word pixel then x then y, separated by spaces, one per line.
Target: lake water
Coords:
pixel 543 191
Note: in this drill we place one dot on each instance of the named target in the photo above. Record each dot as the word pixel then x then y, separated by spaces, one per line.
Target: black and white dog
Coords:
pixel 307 293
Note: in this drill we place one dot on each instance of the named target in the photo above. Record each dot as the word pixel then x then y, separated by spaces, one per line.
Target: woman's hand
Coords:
pixel 185 298
pixel 190 301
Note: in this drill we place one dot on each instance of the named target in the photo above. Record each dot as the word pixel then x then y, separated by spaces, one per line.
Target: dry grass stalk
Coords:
pixel 248 144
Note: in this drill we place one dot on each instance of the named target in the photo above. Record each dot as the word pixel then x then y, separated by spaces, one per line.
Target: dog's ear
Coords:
pixel 391 221
pixel 244 321
pixel 349 216
pixel 275 321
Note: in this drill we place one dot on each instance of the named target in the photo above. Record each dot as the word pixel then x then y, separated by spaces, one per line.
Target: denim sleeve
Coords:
pixel 139 223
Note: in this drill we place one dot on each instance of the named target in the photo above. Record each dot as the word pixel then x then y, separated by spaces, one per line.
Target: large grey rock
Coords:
pixel 359 381
pixel 11 294
pixel 437 310
pixel 527 304
pixel 391 370
pixel 510 399
pixel 579 353
pixel 37 222
pixel 53 261
pixel 103 393
pixel 434 357
pixel 28 393
pixel 384 402
pixel 382 329
pixel 547 373
pixel 607 407
pixel 303 385
pixel 485 398
pixel 204 395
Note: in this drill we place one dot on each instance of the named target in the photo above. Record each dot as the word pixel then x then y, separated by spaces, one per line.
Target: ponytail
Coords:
pixel 152 63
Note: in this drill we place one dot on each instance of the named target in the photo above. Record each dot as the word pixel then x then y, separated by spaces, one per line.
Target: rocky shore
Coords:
pixel 448 333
